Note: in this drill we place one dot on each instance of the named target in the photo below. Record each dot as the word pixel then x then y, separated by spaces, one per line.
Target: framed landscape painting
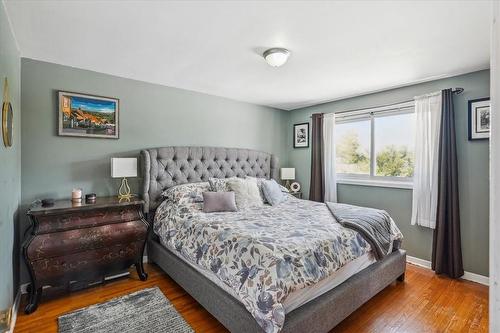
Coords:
pixel 479 119
pixel 88 116
pixel 301 135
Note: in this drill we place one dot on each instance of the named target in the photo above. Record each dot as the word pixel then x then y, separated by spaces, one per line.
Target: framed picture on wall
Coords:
pixel 479 119
pixel 88 116
pixel 301 135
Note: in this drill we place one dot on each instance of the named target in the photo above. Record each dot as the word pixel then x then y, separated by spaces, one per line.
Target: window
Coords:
pixel 353 147
pixel 375 146
pixel 394 145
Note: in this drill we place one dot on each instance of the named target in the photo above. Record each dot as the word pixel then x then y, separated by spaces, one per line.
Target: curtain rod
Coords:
pixel 456 91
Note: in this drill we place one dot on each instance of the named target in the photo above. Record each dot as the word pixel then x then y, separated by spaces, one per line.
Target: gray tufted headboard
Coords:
pixel 168 166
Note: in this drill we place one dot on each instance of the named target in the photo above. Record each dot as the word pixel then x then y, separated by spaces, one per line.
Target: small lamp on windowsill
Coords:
pixel 287 174
pixel 123 168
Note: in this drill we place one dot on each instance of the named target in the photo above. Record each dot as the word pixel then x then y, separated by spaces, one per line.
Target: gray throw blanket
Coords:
pixel 373 224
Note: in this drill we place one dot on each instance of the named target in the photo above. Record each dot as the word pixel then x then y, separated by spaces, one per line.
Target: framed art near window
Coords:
pixel 88 116
pixel 479 119
pixel 301 135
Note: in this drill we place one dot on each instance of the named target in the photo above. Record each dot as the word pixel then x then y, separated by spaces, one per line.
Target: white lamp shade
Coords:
pixel 287 173
pixel 123 167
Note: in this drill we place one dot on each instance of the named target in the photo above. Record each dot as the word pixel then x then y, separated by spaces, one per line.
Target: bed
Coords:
pixel 321 300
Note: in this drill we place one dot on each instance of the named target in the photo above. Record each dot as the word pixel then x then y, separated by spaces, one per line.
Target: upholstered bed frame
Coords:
pixel 170 166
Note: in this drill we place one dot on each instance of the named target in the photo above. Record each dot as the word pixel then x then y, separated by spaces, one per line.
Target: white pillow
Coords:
pixel 246 192
pixel 259 185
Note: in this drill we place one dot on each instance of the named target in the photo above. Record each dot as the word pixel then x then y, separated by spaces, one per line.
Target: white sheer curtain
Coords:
pixel 425 176
pixel 329 155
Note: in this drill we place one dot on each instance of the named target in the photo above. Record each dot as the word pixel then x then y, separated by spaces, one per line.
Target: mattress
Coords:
pixel 299 297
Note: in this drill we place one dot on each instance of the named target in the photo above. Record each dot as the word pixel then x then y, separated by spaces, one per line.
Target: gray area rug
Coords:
pixel 146 310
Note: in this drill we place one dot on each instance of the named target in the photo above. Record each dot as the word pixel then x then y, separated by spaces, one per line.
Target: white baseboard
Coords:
pixel 476 278
pixel 467 275
pixel 418 262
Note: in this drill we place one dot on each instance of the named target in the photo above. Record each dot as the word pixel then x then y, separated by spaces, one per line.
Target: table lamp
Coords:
pixel 287 174
pixel 123 168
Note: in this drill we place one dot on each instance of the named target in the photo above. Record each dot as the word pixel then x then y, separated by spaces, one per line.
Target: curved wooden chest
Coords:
pixel 83 242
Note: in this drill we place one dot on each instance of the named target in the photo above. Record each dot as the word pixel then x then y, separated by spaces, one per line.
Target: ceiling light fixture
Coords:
pixel 276 56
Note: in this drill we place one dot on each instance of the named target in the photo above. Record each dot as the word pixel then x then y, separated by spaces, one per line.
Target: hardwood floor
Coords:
pixel 423 303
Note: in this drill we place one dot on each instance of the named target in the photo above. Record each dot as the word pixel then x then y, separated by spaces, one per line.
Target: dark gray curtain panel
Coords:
pixel 446 247
pixel 317 188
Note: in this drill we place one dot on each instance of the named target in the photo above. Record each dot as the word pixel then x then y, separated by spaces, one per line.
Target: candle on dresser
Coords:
pixel 76 194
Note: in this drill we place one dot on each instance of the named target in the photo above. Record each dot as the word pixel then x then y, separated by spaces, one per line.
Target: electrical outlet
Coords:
pixel 5 317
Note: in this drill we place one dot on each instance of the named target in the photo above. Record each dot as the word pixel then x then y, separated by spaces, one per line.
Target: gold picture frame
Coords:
pixel 7 117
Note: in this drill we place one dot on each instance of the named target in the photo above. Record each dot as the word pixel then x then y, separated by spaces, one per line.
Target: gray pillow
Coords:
pixel 219 202
pixel 272 192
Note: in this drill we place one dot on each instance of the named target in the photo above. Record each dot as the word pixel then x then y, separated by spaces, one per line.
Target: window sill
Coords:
pixel 376 183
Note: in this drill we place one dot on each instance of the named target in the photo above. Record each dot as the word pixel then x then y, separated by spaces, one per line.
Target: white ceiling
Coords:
pixel 339 49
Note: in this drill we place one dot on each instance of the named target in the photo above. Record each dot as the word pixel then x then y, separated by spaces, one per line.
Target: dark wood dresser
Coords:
pixel 82 241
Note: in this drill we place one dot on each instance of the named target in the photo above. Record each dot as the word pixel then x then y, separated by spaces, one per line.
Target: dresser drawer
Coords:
pixel 78 240
pixel 81 264
pixel 96 217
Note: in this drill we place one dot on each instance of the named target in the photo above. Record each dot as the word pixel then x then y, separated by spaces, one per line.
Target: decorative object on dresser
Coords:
pixel 479 118
pixel 123 168
pixel 71 242
pixel 301 135
pixel 90 198
pixel 76 195
pixel 287 174
pixel 88 116
pixel 47 202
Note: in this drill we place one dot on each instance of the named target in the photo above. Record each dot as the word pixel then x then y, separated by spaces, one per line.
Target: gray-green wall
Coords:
pixel 151 116
pixel 154 115
pixel 10 164
pixel 472 161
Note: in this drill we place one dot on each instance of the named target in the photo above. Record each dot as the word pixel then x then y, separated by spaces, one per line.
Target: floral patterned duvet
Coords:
pixel 262 253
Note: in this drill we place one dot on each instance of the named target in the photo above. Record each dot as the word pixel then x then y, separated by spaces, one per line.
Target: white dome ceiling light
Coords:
pixel 276 57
